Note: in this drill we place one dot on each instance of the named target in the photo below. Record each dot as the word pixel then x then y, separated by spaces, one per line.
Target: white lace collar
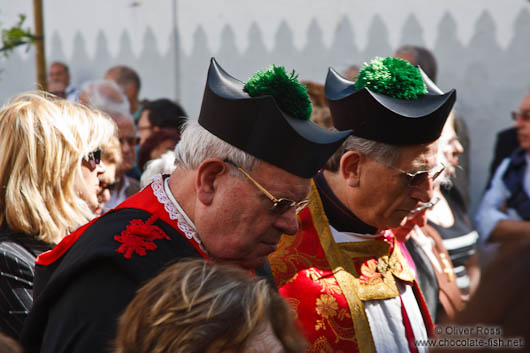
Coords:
pixel 164 196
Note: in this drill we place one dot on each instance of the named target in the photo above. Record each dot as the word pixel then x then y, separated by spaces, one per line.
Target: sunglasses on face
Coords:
pixel 94 158
pixel 279 206
pixel 107 186
pixel 420 177
pixel 523 115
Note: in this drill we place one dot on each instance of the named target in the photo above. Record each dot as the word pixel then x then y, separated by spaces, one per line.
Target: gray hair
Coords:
pixel 165 164
pixel 197 144
pixel 105 95
pixel 381 152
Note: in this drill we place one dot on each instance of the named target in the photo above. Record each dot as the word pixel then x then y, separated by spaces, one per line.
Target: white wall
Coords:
pixel 482 47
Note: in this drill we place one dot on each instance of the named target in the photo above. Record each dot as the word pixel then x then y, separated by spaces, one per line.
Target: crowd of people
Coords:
pixel 289 216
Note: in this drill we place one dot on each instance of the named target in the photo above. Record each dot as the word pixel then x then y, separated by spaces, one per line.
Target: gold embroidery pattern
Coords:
pixel 344 276
pixel 328 284
pixel 321 345
pixel 327 307
pixel 287 260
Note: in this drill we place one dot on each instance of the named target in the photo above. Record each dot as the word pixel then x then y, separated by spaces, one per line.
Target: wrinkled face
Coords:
pixel 238 226
pixel 87 183
pixel 384 196
pixel 451 148
pixel 128 140
pixel 105 179
pixel 59 74
pixel 144 127
pixel 522 123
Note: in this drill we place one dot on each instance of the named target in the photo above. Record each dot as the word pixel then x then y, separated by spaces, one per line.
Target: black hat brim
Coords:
pixel 378 117
pixel 259 127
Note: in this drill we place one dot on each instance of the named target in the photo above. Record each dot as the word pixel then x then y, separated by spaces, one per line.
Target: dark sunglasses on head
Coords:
pixel 107 186
pixel 94 157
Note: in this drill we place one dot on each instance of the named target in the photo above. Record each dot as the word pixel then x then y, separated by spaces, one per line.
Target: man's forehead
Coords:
pixel 420 157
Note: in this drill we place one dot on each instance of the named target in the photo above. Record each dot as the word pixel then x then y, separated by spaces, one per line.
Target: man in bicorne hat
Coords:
pixel 242 173
pixel 344 273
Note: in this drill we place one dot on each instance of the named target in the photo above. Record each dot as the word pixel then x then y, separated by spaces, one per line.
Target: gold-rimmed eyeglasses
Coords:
pixel 419 177
pixel 279 206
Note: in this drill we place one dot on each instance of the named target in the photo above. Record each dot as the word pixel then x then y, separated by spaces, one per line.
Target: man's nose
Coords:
pixel 288 222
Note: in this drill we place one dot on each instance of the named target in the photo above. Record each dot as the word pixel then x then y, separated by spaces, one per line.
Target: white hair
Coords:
pixel 105 95
pixel 165 164
pixel 197 144
pixel 381 152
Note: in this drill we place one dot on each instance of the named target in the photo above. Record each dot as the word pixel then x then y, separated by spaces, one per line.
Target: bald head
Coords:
pixel 129 81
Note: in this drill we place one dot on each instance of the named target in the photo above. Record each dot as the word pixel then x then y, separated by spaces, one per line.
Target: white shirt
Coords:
pixel 117 196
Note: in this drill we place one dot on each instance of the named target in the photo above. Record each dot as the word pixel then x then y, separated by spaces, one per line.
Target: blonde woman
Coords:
pixel 197 306
pixel 49 167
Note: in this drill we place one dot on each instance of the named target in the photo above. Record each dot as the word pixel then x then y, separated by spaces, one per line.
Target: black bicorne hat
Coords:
pixel 378 117
pixel 259 127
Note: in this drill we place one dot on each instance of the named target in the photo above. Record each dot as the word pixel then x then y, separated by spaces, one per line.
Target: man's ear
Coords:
pixel 206 179
pixel 350 167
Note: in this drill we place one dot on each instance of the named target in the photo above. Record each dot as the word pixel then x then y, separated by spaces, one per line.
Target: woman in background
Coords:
pixel 49 166
pixel 450 218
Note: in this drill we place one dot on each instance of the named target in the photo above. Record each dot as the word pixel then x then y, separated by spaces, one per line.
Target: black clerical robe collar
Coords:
pixel 339 216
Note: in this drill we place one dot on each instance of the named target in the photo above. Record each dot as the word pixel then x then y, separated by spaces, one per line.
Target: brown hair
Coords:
pixel 195 305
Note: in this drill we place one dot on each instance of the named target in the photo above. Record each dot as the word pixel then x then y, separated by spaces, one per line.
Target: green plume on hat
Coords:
pixel 290 95
pixel 393 77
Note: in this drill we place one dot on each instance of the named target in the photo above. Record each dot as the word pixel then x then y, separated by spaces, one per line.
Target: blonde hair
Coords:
pixel 43 141
pixel 195 305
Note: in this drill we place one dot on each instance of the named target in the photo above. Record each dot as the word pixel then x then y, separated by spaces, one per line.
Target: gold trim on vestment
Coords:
pixel 343 269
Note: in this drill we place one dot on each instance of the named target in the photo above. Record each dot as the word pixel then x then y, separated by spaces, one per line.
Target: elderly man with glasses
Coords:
pixel 347 276
pixel 242 173
pixel 504 212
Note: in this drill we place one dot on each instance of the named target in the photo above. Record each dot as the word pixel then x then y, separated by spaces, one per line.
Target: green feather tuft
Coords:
pixel 393 77
pixel 290 95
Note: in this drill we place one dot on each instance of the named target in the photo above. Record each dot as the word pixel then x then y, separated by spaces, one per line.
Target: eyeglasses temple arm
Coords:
pixel 268 194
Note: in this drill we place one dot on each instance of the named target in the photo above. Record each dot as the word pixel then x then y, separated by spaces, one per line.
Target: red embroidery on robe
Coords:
pixel 138 237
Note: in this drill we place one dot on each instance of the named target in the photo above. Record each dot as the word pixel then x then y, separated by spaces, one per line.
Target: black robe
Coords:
pixel 84 284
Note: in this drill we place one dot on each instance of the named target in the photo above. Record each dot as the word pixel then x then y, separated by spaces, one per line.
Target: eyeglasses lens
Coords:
pixel 282 205
pixel 422 177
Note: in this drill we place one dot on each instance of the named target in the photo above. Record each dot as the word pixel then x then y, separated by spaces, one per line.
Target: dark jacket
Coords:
pixel 18 252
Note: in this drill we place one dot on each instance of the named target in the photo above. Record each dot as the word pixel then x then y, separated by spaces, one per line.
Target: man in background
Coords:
pixel 59 82
pixel 130 83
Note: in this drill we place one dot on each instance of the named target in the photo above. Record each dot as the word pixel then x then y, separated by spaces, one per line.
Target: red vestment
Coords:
pixel 326 282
